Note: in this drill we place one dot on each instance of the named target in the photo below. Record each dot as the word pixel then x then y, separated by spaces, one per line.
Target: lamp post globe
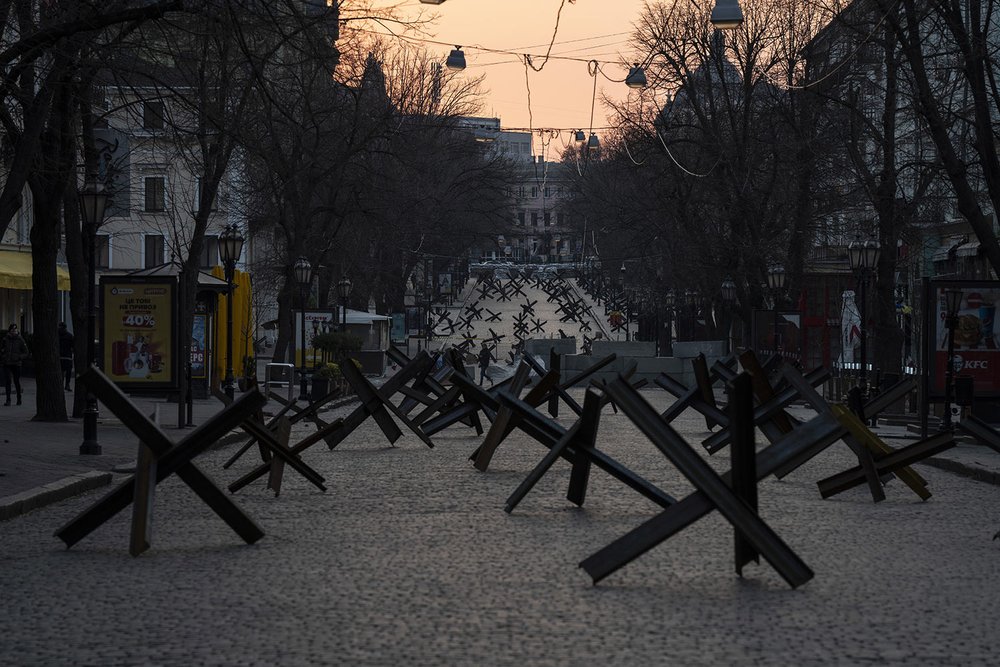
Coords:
pixel 863 257
pixel 303 276
pixel 93 200
pixel 230 249
pixel 344 286
pixel 776 282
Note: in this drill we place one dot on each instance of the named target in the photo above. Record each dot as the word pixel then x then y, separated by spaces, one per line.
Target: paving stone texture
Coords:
pixel 409 559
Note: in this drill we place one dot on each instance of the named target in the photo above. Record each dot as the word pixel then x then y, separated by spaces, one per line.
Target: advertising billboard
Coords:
pixel 977 338
pixel 138 320
pixel 199 346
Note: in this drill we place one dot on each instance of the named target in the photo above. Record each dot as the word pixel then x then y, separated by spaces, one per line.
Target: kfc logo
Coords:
pixel 959 364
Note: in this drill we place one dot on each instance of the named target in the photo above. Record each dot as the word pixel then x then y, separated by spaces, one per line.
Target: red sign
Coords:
pixel 977 338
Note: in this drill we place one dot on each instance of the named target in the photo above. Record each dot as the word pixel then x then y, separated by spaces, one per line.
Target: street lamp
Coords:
pixel 668 302
pixel 230 249
pixel 344 292
pixel 636 77
pixel 93 200
pixel 728 299
pixel 727 14
pixel 624 297
pixel 303 276
pixel 952 301
pixel 864 258
pixel 776 282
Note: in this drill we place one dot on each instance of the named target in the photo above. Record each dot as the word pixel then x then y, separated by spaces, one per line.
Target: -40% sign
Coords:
pixel 139 320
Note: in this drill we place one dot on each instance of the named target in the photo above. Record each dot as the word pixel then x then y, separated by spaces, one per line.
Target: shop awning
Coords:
pixel 15 271
pixel 970 249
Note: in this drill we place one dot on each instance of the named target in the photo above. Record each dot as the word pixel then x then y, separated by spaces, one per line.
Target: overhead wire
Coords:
pixel 555 31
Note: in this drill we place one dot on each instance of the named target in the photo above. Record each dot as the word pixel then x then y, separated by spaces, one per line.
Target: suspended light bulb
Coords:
pixel 636 77
pixel 456 59
pixel 727 14
pixel 580 136
pixel 593 144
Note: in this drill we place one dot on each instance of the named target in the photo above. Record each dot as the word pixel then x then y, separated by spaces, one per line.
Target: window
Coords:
pixel 560 218
pixel 534 191
pixel 520 218
pixel 210 252
pixel 103 251
pixel 153 256
pixel 548 218
pixel 152 115
pixel 534 218
pixel 548 191
pixel 156 193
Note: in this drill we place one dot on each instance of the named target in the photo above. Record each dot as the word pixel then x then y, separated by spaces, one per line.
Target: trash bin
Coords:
pixel 279 375
pixel 963 390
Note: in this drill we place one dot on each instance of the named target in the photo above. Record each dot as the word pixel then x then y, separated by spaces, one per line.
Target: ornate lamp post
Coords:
pixel 952 302
pixel 303 276
pixel 728 299
pixel 93 200
pixel 344 292
pixel 776 283
pixel 230 249
pixel 624 298
pixel 669 300
pixel 864 258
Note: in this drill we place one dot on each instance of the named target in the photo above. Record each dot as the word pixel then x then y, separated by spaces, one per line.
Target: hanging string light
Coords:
pixel 636 77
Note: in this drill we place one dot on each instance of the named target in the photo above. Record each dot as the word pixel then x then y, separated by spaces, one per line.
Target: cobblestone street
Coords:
pixel 409 558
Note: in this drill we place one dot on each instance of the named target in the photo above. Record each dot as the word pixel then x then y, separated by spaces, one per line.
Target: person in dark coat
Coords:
pixel 484 362
pixel 66 353
pixel 13 350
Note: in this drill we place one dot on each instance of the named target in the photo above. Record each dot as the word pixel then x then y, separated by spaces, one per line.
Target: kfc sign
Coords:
pixel 974 336
pixel 960 364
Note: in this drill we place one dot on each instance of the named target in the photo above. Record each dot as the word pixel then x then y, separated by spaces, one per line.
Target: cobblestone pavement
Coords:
pixel 408 558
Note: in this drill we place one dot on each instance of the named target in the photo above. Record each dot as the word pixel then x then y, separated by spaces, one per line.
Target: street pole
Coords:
pixel 949 375
pixel 304 385
pixel 90 444
pixel 92 201
pixel 230 390
pixel 953 300
pixel 230 249
pixel 864 332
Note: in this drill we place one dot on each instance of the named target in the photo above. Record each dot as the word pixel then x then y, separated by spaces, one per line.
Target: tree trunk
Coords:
pixel 50 399
pixel 888 336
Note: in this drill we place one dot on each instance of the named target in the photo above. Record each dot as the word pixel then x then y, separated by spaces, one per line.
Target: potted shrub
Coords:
pixel 323 377
pixel 338 345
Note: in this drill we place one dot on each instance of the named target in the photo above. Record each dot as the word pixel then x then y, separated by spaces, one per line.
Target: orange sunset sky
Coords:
pixel 561 93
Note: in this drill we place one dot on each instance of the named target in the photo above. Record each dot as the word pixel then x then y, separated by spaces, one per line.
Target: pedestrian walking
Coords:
pixel 66 353
pixel 484 362
pixel 13 350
